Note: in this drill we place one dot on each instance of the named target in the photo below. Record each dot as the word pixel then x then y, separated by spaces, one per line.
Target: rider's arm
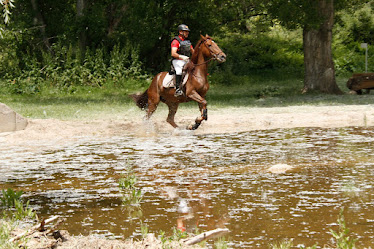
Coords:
pixel 174 53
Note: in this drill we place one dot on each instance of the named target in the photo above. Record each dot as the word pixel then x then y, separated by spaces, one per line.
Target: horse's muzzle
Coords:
pixel 221 57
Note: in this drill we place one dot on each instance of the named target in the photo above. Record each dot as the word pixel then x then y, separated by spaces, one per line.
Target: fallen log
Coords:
pixel 34 228
pixel 206 235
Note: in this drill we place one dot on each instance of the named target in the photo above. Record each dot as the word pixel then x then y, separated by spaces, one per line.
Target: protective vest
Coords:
pixel 185 46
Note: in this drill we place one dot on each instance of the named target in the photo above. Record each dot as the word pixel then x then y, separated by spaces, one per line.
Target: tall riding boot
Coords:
pixel 178 90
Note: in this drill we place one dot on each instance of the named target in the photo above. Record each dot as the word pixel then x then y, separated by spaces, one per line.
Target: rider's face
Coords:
pixel 185 33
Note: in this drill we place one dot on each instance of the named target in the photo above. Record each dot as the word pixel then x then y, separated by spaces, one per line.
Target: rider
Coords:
pixel 181 50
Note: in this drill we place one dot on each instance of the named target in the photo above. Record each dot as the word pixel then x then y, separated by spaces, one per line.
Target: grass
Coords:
pixel 262 89
pixel 13 209
pixel 82 102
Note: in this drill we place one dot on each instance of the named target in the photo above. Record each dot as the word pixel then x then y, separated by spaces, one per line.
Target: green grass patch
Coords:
pixel 80 102
pixel 275 88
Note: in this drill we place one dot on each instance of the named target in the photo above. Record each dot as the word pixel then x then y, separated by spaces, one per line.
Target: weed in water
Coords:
pixel 144 230
pixel 23 211
pixel 10 197
pixel 178 234
pixel 162 237
pixel 15 208
pixel 342 238
pixel 221 243
pixel 175 237
pixel 285 244
pixel 131 195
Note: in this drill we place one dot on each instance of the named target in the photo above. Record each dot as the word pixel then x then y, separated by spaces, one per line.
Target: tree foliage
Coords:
pixel 6 6
pixel 44 35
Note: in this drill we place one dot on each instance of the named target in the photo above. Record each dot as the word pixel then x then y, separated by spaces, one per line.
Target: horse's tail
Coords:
pixel 141 100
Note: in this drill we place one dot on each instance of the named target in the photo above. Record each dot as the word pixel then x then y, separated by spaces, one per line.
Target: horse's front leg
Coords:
pixel 203 110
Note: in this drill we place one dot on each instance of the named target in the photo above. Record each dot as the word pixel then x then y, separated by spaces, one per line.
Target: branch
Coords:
pixel 207 235
pixel 34 228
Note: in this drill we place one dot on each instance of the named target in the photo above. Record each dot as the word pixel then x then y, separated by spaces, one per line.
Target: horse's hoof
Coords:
pixel 193 127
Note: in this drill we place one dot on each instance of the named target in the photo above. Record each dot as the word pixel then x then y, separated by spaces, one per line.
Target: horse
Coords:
pixel 195 89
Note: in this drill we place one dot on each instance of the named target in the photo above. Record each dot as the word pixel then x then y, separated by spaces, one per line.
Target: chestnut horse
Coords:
pixel 195 88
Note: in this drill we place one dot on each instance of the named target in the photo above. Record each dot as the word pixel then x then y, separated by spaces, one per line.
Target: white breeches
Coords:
pixel 178 66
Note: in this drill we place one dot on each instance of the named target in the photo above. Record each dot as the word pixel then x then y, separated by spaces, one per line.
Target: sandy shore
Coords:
pixel 44 132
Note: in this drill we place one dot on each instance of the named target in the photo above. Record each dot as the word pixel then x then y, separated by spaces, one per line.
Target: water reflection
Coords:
pixel 222 177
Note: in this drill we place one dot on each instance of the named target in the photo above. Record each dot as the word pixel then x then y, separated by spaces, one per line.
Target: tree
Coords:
pixel 317 19
pixel 80 15
pixel 318 63
pixel 6 6
pixel 39 22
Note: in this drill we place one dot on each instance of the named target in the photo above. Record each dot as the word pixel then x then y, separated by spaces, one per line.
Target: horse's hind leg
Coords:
pixel 153 101
pixel 173 107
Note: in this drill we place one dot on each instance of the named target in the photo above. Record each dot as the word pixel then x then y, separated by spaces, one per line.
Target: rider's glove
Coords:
pixel 183 57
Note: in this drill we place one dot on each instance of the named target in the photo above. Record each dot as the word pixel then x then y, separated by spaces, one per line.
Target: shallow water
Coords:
pixel 222 177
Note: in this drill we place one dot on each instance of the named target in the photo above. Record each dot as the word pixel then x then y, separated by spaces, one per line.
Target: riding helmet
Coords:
pixel 183 27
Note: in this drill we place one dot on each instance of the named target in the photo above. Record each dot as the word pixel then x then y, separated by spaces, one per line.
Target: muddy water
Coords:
pixel 223 178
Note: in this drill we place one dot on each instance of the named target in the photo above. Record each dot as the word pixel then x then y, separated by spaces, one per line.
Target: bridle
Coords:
pixel 214 55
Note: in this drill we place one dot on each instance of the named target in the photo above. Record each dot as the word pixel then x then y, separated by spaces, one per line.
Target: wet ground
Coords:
pixel 223 179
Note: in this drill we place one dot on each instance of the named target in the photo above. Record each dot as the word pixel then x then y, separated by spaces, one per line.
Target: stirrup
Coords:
pixel 178 92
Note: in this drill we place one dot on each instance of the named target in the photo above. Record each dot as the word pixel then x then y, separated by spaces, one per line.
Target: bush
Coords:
pixel 352 28
pixel 66 67
pixel 246 53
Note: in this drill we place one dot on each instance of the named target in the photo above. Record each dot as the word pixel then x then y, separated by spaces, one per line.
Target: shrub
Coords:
pixel 246 53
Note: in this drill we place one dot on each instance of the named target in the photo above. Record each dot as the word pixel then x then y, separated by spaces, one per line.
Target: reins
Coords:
pixel 214 56
pixel 205 62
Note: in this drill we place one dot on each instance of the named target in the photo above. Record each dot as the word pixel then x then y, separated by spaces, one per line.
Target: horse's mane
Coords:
pixel 191 65
pixel 197 49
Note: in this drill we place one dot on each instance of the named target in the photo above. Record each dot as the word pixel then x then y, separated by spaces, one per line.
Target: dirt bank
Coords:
pixel 45 132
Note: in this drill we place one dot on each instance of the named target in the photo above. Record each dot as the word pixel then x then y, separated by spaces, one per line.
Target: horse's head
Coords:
pixel 211 49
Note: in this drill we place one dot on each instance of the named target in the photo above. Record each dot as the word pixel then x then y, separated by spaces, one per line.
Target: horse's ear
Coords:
pixel 202 37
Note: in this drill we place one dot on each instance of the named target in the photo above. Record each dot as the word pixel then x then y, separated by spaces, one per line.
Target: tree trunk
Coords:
pixel 39 21
pixel 318 63
pixel 115 16
pixel 82 35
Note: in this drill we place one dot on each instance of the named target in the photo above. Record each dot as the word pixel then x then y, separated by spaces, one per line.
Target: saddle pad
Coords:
pixel 168 81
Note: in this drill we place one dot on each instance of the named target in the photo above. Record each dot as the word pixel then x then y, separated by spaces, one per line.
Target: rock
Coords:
pixel 10 120
pixel 62 235
pixel 279 168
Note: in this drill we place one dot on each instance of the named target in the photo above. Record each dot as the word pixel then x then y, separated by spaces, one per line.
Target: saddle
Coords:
pixel 169 80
